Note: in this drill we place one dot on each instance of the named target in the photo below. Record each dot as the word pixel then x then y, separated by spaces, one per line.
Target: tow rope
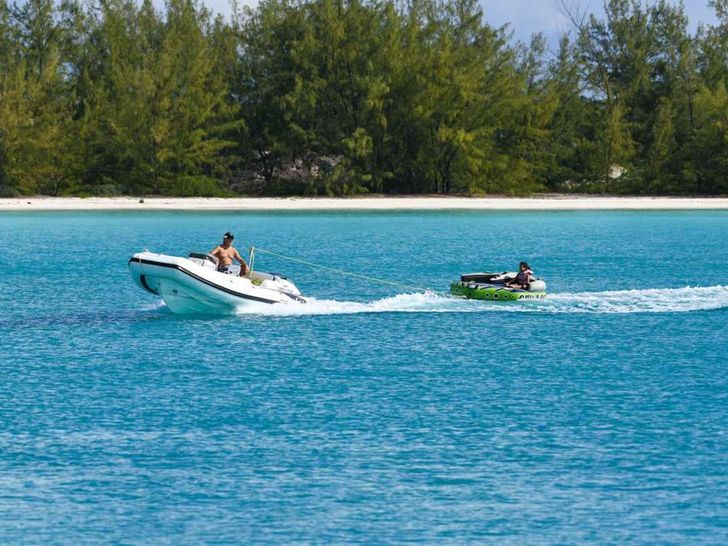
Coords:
pixel 254 249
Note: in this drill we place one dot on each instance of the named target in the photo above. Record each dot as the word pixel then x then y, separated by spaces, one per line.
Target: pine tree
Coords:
pixel 35 110
pixel 569 127
pixel 709 148
pixel 663 148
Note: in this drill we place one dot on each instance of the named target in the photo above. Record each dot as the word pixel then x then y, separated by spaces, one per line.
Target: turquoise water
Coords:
pixel 372 415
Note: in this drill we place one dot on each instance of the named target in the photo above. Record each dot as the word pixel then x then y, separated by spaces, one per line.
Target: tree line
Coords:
pixel 334 97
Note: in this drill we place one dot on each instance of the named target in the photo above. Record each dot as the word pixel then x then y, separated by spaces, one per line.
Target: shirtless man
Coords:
pixel 226 253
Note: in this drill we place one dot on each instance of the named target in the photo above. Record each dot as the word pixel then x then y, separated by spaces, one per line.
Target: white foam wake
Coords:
pixel 654 300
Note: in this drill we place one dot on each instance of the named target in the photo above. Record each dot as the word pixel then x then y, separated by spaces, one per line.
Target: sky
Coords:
pixel 527 17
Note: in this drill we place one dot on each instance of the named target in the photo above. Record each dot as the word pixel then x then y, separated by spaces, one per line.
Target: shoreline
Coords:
pixel 374 203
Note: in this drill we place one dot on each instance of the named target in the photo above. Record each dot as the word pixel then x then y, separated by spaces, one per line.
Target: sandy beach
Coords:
pixel 555 202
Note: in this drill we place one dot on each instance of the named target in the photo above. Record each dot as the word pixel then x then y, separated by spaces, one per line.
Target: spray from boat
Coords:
pixel 654 300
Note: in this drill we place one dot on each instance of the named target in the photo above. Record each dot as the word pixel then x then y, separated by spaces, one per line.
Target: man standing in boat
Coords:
pixel 226 253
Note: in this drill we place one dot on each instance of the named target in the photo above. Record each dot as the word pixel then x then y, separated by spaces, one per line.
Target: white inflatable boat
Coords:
pixel 194 285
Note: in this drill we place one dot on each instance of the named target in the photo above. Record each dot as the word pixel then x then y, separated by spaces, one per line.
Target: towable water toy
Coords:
pixel 493 287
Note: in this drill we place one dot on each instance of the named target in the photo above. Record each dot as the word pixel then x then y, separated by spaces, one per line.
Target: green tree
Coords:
pixel 709 147
pixel 713 45
pixel 571 126
pixel 159 106
pixel 336 104
pixel 465 104
pixel 35 110
pixel 192 105
pixel 663 149
pixel 6 69
pixel 262 78
pixel 539 102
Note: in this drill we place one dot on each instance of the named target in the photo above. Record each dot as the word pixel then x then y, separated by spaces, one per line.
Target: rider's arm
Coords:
pixel 243 265
pixel 215 253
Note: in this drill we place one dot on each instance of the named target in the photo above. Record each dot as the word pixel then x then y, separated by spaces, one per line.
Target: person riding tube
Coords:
pixel 523 277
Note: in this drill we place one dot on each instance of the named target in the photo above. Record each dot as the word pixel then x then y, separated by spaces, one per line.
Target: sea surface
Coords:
pixel 375 414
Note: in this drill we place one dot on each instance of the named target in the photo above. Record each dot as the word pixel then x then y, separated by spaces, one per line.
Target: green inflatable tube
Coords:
pixel 493 293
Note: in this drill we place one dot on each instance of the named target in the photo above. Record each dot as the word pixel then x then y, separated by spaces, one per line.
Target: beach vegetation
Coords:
pixel 351 97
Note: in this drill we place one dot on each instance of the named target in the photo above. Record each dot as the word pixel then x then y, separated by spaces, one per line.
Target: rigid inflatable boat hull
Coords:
pixel 188 287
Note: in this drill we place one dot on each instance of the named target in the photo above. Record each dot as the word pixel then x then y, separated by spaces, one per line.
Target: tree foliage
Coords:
pixel 356 96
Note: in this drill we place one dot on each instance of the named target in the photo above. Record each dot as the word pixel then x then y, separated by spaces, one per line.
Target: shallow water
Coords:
pixel 371 414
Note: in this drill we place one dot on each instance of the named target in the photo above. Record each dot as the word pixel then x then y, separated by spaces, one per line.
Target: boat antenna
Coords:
pixel 251 261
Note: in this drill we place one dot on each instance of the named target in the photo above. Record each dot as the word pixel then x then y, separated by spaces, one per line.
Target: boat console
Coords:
pixel 205 260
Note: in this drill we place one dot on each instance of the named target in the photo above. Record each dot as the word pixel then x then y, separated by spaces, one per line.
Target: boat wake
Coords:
pixel 654 300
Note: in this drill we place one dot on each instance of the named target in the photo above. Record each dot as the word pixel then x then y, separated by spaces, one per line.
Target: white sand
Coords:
pixel 551 202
